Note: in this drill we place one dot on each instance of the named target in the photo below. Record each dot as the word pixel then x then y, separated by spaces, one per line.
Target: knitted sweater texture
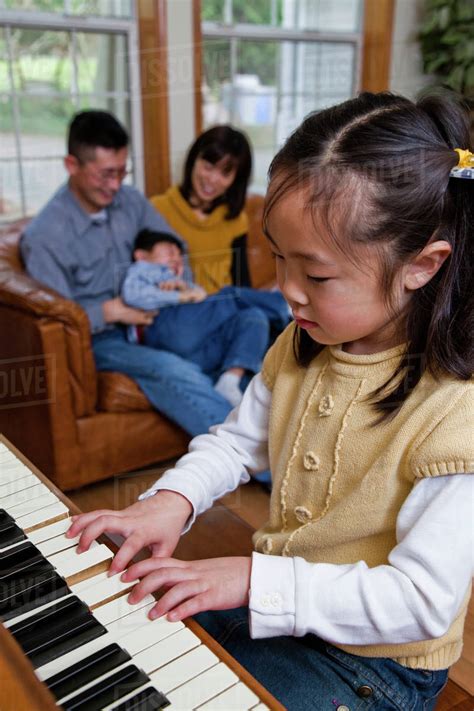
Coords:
pixel 340 480
pixel 209 239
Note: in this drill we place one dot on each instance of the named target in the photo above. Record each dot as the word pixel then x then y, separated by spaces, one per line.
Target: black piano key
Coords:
pixel 88 669
pixel 15 563
pixel 29 594
pixel 60 628
pixel 5 519
pixel 108 690
pixel 10 535
pixel 148 700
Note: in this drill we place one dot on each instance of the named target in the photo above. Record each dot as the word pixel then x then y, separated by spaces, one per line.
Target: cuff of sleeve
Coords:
pixel 272 596
pixel 96 318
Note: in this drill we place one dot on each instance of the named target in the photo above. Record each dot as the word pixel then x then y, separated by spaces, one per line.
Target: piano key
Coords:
pixel 103 590
pixel 146 635
pixel 28 507
pixel 5 519
pixel 202 688
pixel 98 681
pixel 63 662
pixel 56 545
pixel 166 650
pixel 147 699
pixel 87 670
pixel 62 627
pixel 12 472
pixel 11 535
pixel 25 495
pixel 51 531
pixel 23 481
pixel 116 609
pixel 109 690
pixel 45 516
pixel 70 564
pixel 260 707
pixel 16 560
pixel 237 698
pixel 30 599
pixel 183 669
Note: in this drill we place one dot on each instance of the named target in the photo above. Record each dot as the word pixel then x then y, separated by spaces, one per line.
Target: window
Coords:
pixel 268 63
pixel 58 57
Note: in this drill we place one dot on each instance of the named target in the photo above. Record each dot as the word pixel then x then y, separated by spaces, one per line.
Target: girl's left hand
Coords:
pixel 191 586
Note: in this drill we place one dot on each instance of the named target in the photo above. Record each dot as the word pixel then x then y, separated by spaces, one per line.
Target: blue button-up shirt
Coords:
pixel 85 257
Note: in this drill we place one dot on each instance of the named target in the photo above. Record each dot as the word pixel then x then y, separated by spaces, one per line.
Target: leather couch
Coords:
pixel 75 424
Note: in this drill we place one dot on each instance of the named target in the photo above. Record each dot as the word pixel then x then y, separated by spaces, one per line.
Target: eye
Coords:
pixel 318 280
pixel 276 256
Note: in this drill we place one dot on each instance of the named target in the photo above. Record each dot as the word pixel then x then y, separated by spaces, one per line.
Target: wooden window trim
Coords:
pixel 377 47
pixel 153 43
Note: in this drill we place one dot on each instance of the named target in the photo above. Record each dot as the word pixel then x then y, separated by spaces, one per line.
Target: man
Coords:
pixel 81 243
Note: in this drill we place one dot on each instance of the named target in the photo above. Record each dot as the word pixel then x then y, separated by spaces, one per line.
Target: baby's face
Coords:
pixel 167 254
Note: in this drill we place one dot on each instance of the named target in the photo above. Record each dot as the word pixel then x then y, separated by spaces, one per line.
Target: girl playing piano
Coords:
pixel 357 591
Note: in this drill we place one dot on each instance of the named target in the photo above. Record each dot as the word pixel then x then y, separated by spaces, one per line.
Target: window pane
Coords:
pixel 41 61
pixel 212 10
pixel 258 12
pixel 322 15
pixel 10 198
pixel 119 106
pixel 35 5
pixel 42 178
pixel 216 74
pixel 109 8
pixel 102 64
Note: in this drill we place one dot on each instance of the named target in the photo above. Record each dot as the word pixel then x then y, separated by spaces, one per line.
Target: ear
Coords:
pixel 140 255
pixel 422 268
pixel 71 164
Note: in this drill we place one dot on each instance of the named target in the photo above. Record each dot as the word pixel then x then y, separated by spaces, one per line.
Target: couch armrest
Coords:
pixel 22 293
pixel 261 264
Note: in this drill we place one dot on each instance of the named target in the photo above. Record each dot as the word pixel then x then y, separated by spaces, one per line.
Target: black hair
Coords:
pixel 396 156
pixel 92 129
pixel 213 145
pixel 146 240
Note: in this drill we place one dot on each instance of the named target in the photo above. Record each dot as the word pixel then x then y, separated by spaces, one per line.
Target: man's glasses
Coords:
pixel 109 174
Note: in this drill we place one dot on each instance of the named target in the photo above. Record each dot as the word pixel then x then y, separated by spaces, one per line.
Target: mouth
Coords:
pixel 304 323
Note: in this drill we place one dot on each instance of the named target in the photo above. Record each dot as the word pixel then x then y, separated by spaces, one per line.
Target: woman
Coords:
pixel 207 208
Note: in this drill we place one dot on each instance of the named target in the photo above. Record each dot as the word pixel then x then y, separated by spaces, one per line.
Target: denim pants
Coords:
pixel 214 334
pixel 174 386
pixel 185 329
pixel 307 673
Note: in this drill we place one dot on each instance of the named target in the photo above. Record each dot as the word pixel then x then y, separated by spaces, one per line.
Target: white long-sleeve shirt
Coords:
pixel 416 596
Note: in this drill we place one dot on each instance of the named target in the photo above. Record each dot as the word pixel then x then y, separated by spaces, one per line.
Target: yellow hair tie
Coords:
pixel 466 158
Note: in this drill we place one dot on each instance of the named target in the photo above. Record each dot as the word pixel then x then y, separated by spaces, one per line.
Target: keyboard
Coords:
pixel 85 643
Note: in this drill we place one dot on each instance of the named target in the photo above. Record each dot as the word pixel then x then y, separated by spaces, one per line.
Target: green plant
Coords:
pixel 447 43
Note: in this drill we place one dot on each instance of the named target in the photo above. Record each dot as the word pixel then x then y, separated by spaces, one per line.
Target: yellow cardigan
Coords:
pixel 210 239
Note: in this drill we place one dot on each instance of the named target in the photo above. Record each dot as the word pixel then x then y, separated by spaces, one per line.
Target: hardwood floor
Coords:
pixel 248 503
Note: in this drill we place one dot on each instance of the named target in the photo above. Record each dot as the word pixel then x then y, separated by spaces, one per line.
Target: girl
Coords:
pixel 358 588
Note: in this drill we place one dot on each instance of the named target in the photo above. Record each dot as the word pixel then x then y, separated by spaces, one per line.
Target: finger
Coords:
pixel 144 567
pixel 188 608
pixel 178 594
pixel 111 523
pixel 124 555
pixel 156 580
pixel 82 520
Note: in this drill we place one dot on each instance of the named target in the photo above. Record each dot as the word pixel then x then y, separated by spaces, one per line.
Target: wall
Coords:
pixel 406 73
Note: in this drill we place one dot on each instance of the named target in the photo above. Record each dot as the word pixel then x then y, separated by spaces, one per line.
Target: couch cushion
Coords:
pixel 119 393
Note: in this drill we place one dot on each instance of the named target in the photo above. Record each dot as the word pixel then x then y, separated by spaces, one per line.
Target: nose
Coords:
pixel 114 183
pixel 293 290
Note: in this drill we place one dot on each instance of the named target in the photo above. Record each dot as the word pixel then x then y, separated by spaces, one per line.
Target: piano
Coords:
pixel 68 637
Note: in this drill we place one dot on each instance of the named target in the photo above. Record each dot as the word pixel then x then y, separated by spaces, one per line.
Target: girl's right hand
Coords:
pixel 156 522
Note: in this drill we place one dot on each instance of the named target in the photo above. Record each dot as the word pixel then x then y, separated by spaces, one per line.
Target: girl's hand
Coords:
pixel 156 522
pixel 192 586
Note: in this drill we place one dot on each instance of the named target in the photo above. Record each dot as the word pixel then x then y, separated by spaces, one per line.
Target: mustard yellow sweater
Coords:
pixel 209 239
pixel 339 481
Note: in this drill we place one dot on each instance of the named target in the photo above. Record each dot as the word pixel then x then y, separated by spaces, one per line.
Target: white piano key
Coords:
pixel 79 588
pixel 12 472
pixel 26 481
pixel 42 516
pixel 69 563
pixel 238 698
pixel 104 590
pixel 76 655
pixel 260 707
pixel 51 531
pixel 56 545
pixel 147 634
pixel 25 495
pixel 116 609
pixel 30 613
pixel 202 688
pixel 183 669
pixel 166 650
pixel 27 507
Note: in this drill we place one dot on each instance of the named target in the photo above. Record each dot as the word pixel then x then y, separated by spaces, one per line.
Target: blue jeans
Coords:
pixel 216 334
pixel 307 673
pixel 174 386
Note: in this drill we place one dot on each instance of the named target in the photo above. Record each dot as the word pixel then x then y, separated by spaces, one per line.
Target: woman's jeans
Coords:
pixel 228 329
pixel 306 673
pixel 174 386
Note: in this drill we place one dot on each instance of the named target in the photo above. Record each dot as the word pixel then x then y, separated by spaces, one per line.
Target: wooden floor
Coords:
pixel 248 504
